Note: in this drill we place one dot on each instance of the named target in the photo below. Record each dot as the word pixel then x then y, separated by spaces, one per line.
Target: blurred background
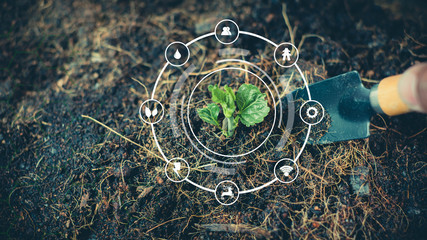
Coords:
pixel 76 161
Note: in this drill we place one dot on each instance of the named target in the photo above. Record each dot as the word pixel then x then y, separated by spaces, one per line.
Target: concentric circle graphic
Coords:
pixel 227 191
pixel 225 155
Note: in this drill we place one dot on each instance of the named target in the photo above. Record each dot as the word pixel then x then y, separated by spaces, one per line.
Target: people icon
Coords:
pixel 226 31
pixel 286 54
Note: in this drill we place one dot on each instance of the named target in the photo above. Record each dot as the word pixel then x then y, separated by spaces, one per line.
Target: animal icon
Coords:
pixel 229 193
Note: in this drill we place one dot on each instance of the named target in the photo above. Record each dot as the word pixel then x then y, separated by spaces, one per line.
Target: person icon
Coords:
pixel 226 31
pixel 286 54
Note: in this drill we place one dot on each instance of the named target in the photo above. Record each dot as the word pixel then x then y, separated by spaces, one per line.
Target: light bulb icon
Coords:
pixel 177 168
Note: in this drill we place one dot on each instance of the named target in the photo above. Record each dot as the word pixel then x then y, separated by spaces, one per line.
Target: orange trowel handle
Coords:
pixel 402 93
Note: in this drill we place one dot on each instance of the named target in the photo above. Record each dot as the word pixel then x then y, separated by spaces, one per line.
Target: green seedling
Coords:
pixel 248 106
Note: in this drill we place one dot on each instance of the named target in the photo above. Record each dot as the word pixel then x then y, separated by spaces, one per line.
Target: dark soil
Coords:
pixel 245 138
pixel 77 162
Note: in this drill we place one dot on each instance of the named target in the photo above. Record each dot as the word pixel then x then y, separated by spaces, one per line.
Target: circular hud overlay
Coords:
pixel 227 167
pixel 240 144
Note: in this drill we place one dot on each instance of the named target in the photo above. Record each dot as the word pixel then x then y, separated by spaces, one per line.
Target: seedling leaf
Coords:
pixel 209 114
pixel 225 98
pixel 253 107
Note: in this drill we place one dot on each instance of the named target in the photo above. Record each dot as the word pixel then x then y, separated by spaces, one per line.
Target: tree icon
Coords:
pixel 286 54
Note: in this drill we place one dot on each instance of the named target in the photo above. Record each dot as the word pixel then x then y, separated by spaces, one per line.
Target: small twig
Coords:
pixel 288 24
pixel 236 228
pixel 417 55
pixel 112 130
pixel 125 138
pixel 309 36
pixel 416 134
pixel 163 223
pixel 38 162
pixel 140 83
pixel 380 128
pixel 414 40
pixel 370 80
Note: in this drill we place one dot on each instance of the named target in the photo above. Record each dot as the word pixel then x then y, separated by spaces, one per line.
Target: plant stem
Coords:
pixel 228 126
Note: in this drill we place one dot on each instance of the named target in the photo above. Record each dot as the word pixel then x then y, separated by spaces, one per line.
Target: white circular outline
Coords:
pixel 275 88
pixel 194 145
pixel 238 192
pixel 188 55
pixel 311 115
pixel 225 155
pixel 265 74
pixel 140 109
pixel 323 112
pixel 275 167
pixel 154 91
pixel 174 159
pixel 285 66
pixel 238 31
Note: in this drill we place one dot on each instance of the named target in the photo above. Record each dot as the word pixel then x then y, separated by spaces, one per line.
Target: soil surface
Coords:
pixel 77 162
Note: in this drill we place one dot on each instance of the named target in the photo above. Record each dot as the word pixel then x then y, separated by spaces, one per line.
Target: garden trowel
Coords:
pixel 350 105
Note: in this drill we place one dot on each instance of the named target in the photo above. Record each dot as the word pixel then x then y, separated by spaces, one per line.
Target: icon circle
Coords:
pixel 206 36
pixel 286 170
pixel 177 170
pixel 177 54
pixel 227 192
pixel 285 57
pixel 226 31
pixel 150 113
pixel 311 112
pixel 232 155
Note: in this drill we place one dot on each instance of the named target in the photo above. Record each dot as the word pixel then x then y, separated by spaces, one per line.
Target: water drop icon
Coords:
pixel 177 55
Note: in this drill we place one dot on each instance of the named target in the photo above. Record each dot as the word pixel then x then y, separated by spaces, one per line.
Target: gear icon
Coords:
pixel 312 112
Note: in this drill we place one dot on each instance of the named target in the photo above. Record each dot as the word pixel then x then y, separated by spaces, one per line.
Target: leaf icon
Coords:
pixel 147 112
pixel 154 113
